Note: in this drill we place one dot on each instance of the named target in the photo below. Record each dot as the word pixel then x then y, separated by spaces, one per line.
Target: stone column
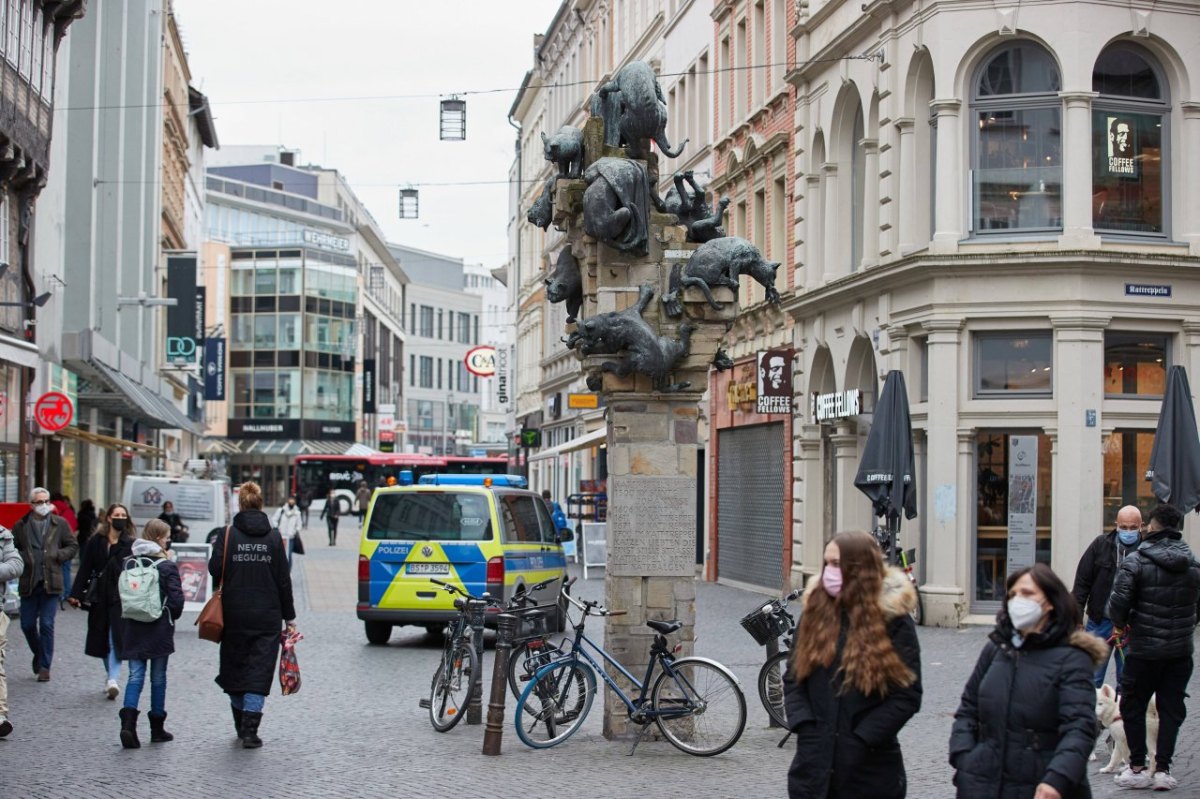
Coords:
pixel 1188 180
pixel 906 193
pixel 870 228
pixel 830 225
pixel 849 498
pixel 814 247
pixel 948 204
pixel 1078 468
pixel 1190 360
pixel 946 489
pixel 1077 173
pixel 807 550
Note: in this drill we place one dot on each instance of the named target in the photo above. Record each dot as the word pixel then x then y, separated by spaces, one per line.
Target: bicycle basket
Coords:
pixel 763 624
pixel 534 622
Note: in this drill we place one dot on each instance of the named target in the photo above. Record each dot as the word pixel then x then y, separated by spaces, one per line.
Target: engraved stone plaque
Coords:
pixel 651 526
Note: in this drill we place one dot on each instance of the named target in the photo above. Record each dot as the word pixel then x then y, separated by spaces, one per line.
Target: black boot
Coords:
pixel 157 733
pixel 129 737
pixel 237 721
pixel 249 731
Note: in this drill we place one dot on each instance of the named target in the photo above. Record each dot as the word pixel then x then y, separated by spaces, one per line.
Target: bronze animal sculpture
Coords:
pixel 565 150
pixel 616 204
pixel 719 263
pixel 565 284
pixel 635 112
pixel 541 212
pixel 692 210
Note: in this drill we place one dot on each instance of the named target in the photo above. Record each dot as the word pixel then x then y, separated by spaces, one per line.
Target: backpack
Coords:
pixel 138 589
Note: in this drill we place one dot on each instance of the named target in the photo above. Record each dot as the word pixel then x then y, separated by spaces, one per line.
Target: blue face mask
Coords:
pixel 1128 537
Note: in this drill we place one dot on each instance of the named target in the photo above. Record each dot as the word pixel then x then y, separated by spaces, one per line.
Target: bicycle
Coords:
pixel 690 696
pixel 452 682
pixel 764 624
pixel 906 559
pixel 532 647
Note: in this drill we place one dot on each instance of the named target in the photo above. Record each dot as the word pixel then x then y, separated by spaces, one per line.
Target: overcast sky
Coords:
pixel 263 63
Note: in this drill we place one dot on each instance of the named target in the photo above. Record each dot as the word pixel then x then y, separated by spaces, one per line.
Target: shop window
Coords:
pixel 1014 364
pixel 1126 460
pixel 1128 141
pixel 1017 170
pixel 1135 365
pixel 1012 507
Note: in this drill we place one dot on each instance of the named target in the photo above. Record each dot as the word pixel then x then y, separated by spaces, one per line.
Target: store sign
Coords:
pixel 836 405
pixel 502 376
pixel 214 369
pixel 368 388
pixel 182 343
pixel 1022 501
pixel 326 241
pixel 739 394
pixel 774 387
pixel 481 361
pixel 53 411
pixel 1122 146
pixel 386 418
pixel 584 401
pixel 199 314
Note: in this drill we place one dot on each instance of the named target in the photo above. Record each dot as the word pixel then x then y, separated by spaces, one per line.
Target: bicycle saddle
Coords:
pixel 664 627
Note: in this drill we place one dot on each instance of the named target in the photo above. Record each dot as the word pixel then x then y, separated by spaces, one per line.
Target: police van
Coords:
pixel 480 532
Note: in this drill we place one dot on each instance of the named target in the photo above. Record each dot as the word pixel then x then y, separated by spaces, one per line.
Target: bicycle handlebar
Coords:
pixel 454 589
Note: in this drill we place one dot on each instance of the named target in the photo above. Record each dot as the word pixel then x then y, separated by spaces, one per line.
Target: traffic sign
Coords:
pixel 53 411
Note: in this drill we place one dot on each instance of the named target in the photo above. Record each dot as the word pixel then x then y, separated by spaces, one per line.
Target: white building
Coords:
pixel 495 330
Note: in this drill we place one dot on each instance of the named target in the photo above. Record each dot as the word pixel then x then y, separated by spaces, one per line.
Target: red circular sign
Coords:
pixel 53 411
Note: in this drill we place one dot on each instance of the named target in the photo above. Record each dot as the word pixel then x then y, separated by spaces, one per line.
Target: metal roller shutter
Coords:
pixel 750 496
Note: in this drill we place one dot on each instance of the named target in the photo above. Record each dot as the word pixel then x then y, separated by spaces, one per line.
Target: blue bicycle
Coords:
pixel 696 703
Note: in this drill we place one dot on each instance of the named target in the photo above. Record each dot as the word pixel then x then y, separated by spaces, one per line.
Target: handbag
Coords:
pixel 297 545
pixel 289 667
pixel 91 595
pixel 211 620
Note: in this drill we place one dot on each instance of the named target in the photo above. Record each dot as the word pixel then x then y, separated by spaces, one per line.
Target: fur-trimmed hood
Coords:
pixel 897 597
pixel 1096 648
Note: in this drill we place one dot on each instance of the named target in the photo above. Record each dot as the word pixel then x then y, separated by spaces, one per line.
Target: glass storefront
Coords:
pixel 1126 459
pixel 1013 506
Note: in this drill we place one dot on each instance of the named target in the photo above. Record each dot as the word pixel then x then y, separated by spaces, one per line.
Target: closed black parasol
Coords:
pixel 886 473
pixel 1174 472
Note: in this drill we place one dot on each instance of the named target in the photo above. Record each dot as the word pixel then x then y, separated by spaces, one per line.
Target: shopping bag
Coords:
pixel 289 667
pixel 297 545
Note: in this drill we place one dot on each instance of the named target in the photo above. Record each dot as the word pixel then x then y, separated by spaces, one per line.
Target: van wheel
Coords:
pixel 378 632
pixel 435 630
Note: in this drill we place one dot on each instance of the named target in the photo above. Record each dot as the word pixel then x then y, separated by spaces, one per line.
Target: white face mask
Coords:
pixel 42 510
pixel 1024 612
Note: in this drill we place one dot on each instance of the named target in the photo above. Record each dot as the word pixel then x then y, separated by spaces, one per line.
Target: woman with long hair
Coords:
pixel 855 676
pixel 97 593
pixel 256 592
pixel 1027 720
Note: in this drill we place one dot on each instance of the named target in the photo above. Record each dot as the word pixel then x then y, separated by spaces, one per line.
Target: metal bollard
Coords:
pixel 493 731
pixel 475 703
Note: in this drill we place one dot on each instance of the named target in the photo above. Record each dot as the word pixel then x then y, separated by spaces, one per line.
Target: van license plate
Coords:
pixel 428 568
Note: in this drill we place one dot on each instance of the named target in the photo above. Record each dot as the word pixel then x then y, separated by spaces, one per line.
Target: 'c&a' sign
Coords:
pixel 481 361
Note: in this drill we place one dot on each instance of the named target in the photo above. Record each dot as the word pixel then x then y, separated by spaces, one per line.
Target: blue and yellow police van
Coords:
pixel 481 532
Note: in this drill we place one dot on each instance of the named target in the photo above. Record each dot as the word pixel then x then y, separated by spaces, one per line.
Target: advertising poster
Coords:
pixel 192 560
pixel 1022 501
pixel 1122 146
pixel 774 382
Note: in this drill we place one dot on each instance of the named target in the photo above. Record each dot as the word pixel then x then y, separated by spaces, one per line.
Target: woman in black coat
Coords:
pixel 150 643
pixel 855 676
pixel 113 541
pixel 1027 721
pixel 256 591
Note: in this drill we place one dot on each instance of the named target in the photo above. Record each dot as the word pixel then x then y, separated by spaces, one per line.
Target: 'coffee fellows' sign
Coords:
pixel 774 387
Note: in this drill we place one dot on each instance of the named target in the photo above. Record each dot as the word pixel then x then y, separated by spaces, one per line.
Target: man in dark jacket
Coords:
pixel 45 542
pixel 1156 592
pixel 179 530
pixel 1094 579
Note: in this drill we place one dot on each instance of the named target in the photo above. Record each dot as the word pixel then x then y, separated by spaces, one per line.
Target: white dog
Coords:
pixel 1108 711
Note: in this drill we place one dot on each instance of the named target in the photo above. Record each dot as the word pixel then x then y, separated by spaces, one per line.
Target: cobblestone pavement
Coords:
pixel 355 729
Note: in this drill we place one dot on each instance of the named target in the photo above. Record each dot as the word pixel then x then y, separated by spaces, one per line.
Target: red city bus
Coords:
pixel 314 475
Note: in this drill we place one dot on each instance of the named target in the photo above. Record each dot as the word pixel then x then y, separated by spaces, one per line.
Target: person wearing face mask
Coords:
pixel 1026 723
pixel 288 521
pixel 97 593
pixel 45 542
pixel 855 676
pixel 1094 580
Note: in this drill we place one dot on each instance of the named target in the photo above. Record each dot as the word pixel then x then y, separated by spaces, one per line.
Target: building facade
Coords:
pixel 1006 209
pixel 495 330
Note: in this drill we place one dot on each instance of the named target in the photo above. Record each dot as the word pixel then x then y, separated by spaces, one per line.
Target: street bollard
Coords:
pixel 475 703
pixel 493 732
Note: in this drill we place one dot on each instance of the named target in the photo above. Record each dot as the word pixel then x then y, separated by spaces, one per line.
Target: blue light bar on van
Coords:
pixel 497 480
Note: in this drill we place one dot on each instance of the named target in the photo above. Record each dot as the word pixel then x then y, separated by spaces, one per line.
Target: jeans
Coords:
pixel 290 543
pixel 1103 630
pixel 1167 680
pixel 66 569
pixel 158 684
pixel 112 666
pixel 3 680
pixel 37 622
pixel 250 703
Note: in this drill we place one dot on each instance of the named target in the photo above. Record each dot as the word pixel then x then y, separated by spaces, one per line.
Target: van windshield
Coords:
pixel 431 516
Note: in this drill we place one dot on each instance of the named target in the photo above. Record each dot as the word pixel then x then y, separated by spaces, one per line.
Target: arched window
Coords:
pixel 1129 137
pixel 1017 158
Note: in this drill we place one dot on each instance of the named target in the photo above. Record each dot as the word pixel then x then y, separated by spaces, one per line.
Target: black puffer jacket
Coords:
pixel 1028 716
pixel 1156 592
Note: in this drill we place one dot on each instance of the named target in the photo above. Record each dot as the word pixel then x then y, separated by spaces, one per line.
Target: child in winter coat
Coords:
pixel 152 641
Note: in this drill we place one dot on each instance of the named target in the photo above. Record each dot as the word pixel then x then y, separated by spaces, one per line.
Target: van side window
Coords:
pixel 522 513
pixel 549 534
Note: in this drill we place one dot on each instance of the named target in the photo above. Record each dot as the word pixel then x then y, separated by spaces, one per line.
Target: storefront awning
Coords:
pixel 272 446
pixel 127 397
pixel 108 442
pixel 580 442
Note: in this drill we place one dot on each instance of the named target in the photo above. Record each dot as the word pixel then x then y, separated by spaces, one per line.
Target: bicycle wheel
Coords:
pixel 524 662
pixel 451 689
pixel 553 706
pixel 770 686
pixel 699 706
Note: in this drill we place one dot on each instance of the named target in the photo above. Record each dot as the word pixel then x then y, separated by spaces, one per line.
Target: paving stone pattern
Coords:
pixel 355 729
